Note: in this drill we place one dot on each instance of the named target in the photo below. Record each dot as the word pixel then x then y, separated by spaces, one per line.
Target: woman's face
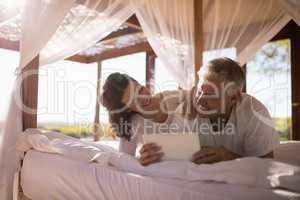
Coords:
pixel 136 97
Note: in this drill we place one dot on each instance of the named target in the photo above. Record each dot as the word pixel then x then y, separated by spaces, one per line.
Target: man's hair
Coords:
pixel 226 70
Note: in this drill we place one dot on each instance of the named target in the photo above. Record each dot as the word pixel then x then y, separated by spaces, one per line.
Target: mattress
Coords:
pixel 47 176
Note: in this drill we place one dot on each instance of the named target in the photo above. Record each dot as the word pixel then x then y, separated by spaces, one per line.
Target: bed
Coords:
pixel 46 176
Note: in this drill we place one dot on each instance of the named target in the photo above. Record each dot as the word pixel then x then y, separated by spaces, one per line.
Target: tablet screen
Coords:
pixel 175 146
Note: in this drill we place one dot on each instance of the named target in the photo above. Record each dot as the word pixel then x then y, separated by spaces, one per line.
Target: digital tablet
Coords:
pixel 175 146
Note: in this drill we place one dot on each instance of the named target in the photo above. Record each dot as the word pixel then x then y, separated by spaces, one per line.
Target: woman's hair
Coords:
pixel 111 98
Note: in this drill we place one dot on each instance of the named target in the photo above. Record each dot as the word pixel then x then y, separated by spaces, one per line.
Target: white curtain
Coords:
pixel 84 26
pixel 58 29
pixel 232 28
pixel 40 21
pixel 36 14
pixel 293 8
pixel 240 27
pixel 9 158
pixel 70 28
pixel 8 12
pixel 168 26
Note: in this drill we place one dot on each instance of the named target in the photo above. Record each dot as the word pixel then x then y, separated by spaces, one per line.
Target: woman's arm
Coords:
pixel 126 146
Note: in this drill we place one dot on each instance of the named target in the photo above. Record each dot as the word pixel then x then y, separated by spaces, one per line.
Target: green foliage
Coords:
pixel 82 131
pixel 283 126
pixel 272 58
pixel 74 131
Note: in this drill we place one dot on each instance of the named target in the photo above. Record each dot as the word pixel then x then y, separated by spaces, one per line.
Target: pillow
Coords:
pixel 69 147
pixel 28 140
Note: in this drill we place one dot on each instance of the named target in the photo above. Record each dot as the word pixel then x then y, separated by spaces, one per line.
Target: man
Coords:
pixel 231 124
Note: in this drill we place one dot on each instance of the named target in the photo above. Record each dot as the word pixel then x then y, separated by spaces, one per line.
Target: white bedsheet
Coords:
pixel 250 171
pixel 54 177
pixel 71 175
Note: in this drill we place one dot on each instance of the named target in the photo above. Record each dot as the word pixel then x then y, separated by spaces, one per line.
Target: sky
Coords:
pixel 67 90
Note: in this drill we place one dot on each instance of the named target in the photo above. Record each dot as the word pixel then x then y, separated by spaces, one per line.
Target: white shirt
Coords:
pixel 248 132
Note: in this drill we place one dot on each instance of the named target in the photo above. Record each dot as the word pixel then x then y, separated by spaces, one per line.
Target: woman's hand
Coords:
pixel 150 153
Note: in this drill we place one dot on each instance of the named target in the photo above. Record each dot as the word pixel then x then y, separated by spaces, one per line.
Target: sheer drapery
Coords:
pixel 9 158
pixel 8 12
pixel 57 29
pixel 84 26
pixel 168 26
pixel 53 20
pixel 40 21
pixel 36 15
pixel 69 29
pixel 243 26
pixel 292 7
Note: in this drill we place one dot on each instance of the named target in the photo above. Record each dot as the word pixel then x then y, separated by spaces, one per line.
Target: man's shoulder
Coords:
pixel 249 105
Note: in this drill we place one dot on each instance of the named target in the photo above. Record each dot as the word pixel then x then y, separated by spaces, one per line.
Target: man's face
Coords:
pixel 136 97
pixel 210 99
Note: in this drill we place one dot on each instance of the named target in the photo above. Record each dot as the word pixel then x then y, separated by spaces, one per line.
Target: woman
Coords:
pixel 133 111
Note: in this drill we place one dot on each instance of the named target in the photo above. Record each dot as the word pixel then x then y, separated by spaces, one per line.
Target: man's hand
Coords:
pixel 150 153
pixel 213 155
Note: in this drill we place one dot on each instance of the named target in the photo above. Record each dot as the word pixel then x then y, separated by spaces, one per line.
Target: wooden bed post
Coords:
pixel 97 127
pixel 294 32
pixel 30 93
pixel 198 36
pixel 150 69
pixel 244 68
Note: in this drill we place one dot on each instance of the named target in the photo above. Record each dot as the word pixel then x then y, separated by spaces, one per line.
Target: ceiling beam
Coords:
pixel 120 33
pixel 145 46
pixel 133 22
pixel 78 58
pixel 10 45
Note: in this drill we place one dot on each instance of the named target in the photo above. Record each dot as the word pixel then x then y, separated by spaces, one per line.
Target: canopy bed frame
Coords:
pixel 137 42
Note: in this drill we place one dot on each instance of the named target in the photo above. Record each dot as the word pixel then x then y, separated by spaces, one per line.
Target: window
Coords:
pixel 133 65
pixel 67 93
pixel 67 97
pixel 269 80
pixel 218 53
pixel 163 79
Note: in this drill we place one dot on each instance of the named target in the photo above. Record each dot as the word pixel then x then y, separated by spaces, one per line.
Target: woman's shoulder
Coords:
pixel 136 118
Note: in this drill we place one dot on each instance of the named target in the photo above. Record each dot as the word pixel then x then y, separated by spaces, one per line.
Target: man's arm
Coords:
pixel 218 154
pixel 268 155
pixel 213 154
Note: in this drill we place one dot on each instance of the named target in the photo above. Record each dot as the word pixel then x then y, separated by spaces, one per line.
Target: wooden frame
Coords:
pixel 150 70
pixel 96 127
pixel 30 93
pixel 10 45
pixel 292 32
pixel 198 37
pixel 141 47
